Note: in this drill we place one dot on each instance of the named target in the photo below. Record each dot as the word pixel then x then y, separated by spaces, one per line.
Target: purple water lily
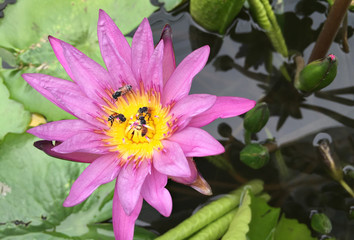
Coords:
pixel 136 121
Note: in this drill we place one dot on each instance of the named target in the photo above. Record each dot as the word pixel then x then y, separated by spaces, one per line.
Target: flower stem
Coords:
pixel 330 29
pixel 346 187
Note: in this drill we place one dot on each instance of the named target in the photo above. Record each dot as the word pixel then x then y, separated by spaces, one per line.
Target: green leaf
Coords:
pixel 291 229
pixel 26 26
pixel 14 118
pixel 34 187
pixel 171 4
pixel 264 220
pixel 215 15
pixel 239 225
pixel 7 57
pixel 32 100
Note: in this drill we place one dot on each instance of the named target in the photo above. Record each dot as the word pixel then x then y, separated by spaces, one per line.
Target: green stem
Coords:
pixel 210 213
pixel 330 29
pixel 247 137
pixel 346 187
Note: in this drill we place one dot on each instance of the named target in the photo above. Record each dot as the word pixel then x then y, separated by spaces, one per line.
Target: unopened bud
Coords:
pixel 317 74
pixel 256 118
pixel 254 155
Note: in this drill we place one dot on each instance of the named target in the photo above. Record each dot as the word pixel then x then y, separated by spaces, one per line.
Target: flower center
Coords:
pixel 137 124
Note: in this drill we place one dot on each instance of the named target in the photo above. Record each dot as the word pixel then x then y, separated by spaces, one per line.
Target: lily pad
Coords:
pixel 291 229
pixel 14 118
pixel 264 220
pixel 34 187
pixel 171 4
pixel 25 29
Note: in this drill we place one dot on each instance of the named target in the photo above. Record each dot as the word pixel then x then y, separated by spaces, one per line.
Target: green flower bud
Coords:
pixel 321 223
pixel 256 118
pixel 254 155
pixel 317 74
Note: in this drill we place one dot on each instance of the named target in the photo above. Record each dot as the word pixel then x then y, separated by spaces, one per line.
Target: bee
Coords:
pixel 143 112
pixel 116 115
pixel 122 91
pixel 143 130
pixel 139 126
pixel 142 120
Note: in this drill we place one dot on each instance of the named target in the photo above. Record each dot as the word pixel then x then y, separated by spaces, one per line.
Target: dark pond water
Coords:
pixel 300 184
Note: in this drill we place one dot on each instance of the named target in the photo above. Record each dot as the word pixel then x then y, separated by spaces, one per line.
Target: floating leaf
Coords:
pixel 171 4
pixel 14 118
pixel 291 229
pixel 26 26
pixel 264 220
pixel 36 188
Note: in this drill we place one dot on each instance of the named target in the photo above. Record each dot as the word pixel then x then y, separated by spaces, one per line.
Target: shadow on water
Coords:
pixel 243 63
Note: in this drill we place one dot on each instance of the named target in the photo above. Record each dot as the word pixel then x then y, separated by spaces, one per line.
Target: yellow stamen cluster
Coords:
pixel 131 139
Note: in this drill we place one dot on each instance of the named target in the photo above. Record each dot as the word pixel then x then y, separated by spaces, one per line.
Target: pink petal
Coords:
pixel 106 25
pixel 152 76
pixel 46 146
pixel 100 171
pixel 180 82
pixel 59 53
pixel 201 186
pixel 80 106
pixel 196 142
pixel 130 181
pixel 142 48
pixel 171 160
pixel 123 224
pixel 224 107
pixel 42 82
pixel 115 51
pixel 190 106
pixel 190 179
pixel 59 130
pixel 92 78
pixel 169 62
pixel 155 193
pixel 82 142
pixel 196 181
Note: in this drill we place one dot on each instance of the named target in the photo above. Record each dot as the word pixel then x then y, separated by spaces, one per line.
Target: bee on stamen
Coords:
pixel 116 115
pixel 144 111
pixel 122 91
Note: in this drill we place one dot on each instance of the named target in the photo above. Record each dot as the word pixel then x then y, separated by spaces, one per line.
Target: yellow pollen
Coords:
pixel 137 124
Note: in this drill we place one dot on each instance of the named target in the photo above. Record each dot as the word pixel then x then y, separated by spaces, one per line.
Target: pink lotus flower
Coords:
pixel 141 134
